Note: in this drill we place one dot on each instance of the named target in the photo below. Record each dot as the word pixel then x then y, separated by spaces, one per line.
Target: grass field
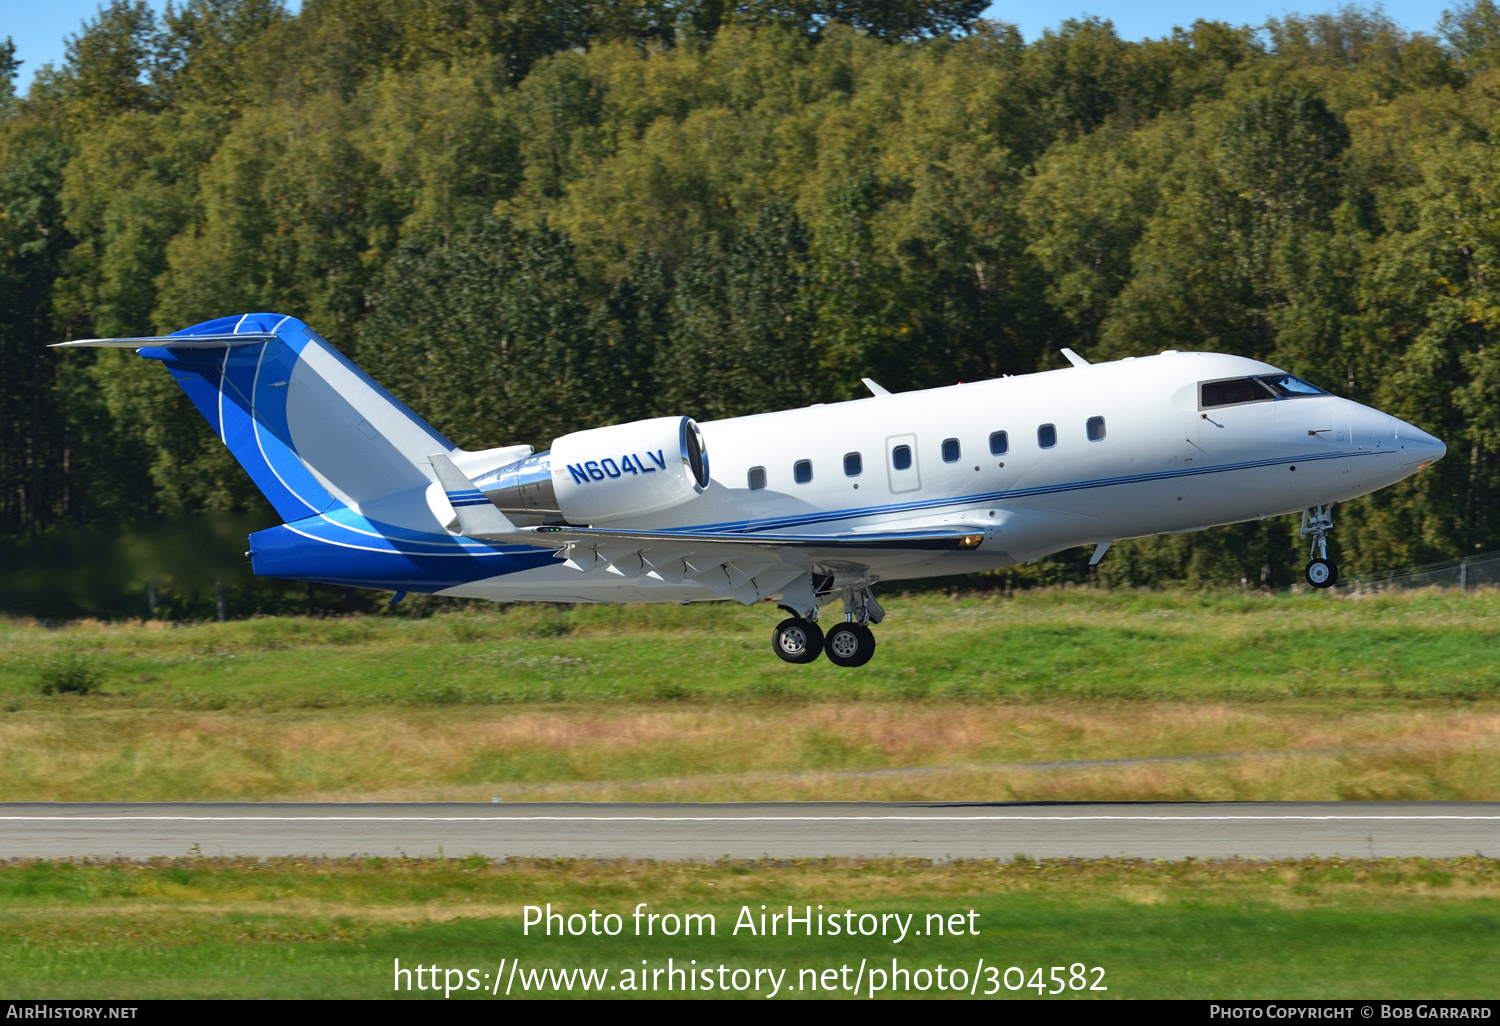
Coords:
pixel 1393 697
pixel 1126 645
pixel 1394 928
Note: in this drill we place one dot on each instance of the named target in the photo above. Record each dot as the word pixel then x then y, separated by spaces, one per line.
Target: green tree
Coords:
pixel 8 68
pixel 1472 31
pixel 208 53
pixel 743 338
pixel 491 337
pixel 1086 207
pixel 109 66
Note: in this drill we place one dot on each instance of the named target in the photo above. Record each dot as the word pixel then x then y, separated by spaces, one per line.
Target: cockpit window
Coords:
pixel 1234 392
pixel 1259 388
pixel 1289 387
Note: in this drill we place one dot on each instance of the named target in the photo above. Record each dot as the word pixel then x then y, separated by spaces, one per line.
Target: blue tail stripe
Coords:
pixel 325 550
pixel 224 400
pixel 255 371
pixel 344 526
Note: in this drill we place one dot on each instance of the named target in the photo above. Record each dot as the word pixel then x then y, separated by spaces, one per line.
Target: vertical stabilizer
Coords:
pixel 313 431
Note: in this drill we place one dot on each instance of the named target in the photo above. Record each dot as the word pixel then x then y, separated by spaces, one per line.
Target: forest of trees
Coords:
pixel 526 217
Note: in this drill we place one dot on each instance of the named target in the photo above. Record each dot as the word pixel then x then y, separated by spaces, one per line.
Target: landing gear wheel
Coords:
pixel 797 640
pixel 868 650
pixel 1322 573
pixel 849 644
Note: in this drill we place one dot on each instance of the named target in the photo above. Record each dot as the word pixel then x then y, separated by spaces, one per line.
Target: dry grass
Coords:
pixel 1392 697
pixel 884 751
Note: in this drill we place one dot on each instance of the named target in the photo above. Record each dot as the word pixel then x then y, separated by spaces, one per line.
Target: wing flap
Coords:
pixel 747 568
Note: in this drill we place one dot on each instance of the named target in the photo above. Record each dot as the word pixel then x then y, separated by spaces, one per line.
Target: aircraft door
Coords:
pixel 901 463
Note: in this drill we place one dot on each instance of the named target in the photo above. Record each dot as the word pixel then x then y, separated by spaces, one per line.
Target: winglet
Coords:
pixel 1074 358
pixel 875 389
pixel 477 516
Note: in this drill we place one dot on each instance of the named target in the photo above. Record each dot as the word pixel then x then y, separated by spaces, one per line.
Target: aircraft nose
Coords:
pixel 1417 446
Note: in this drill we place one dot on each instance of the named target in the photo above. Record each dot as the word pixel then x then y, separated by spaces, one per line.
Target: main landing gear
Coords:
pixel 1317 521
pixel 799 639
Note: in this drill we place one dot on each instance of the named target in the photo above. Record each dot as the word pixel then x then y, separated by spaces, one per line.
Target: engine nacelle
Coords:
pixel 628 470
pixel 604 474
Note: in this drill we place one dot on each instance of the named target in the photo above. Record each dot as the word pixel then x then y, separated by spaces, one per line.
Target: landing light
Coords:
pixel 970 541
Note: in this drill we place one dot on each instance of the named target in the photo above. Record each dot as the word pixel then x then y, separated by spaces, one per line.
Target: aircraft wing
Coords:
pixel 745 566
pixel 955 538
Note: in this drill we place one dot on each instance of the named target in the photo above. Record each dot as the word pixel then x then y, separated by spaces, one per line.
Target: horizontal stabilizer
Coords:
pixel 166 342
pixel 477 515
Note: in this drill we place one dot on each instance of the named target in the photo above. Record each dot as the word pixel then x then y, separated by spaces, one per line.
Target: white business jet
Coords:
pixel 802 507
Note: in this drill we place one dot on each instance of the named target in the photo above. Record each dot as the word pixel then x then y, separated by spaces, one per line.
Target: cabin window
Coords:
pixel 901 457
pixel 1096 429
pixel 1046 436
pixel 1234 392
pixel 757 478
pixel 950 450
pixel 802 471
pixel 854 464
pixel 999 443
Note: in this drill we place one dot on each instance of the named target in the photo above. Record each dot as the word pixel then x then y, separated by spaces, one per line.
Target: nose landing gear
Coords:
pixel 1321 571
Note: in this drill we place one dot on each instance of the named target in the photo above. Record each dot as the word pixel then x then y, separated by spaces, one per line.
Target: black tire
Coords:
pixel 849 644
pixel 868 652
pixel 797 640
pixel 1322 573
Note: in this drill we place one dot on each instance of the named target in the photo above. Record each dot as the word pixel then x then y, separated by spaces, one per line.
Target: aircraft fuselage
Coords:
pixel 1132 452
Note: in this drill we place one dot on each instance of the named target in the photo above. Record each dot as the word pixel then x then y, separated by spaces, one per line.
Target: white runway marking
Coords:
pixel 692 819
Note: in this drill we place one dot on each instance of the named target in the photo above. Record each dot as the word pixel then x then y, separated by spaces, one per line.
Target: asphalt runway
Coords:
pixel 1267 830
